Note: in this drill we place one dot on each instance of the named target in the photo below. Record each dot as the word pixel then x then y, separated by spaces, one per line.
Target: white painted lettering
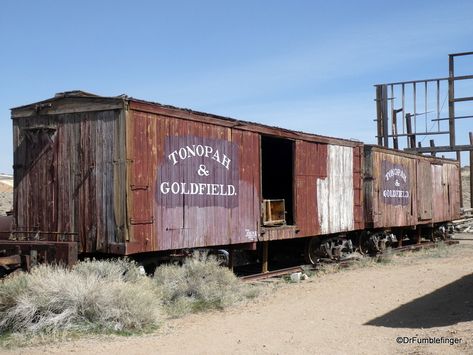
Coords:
pixel 175 188
pixel 172 157
pixel 191 151
pixel 194 188
pixel 182 153
pixel 201 188
pixel 216 156
pixel 226 162
pixel 164 188
pixel 208 151
pixel 199 150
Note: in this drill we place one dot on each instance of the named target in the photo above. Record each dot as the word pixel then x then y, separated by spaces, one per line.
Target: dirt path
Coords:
pixel 359 311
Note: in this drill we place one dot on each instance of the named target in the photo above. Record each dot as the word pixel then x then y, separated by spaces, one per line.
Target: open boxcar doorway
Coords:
pixel 277 170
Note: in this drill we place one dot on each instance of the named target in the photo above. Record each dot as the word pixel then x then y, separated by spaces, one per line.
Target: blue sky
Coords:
pixel 304 65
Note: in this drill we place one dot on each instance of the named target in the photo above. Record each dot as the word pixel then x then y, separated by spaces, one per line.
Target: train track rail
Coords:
pixel 343 263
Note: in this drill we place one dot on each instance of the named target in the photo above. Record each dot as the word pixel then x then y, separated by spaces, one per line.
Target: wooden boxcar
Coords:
pixel 125 176
pixel 406 190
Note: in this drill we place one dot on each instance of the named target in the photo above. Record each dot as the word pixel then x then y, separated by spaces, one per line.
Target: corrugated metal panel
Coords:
pixel 65 167
pixel 335 194
pixel 390 188
pixel 195 184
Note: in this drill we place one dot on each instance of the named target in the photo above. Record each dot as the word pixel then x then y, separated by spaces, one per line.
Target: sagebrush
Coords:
pixel 111 296
pixel 199 284
pixel 94 296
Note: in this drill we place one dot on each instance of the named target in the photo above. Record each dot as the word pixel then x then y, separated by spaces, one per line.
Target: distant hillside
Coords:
pixel 6 193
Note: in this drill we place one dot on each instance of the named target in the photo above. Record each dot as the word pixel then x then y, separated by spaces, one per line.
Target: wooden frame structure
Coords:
pixel 389 106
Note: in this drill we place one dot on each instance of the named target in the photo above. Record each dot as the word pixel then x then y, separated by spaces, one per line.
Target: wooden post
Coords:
pixel 419 234
pixel 264 267
pixel 432 145
pixel 411 138
pixel 459 158
pixel 451 99
pixel 471 170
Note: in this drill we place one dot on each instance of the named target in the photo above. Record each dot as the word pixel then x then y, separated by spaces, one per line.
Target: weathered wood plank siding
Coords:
pixel 445 192
pixel 335 193
pixel 192 184
pixel 390 188
pixel 68 168
pixel 310 165
pixel 424 190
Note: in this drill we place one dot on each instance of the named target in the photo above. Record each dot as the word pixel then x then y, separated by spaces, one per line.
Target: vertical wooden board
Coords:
pixel 446 192
pixel 169 207
pixel 336 193
pixel 249 194
pixel 437 193
pixel 306 205
pixel 310 160
pixel 424 190
pixel 454 191
pixel 358 187
pixel 370 188
pixel 142 213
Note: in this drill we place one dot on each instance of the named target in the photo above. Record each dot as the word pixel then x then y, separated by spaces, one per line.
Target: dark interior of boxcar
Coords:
pixel 277 161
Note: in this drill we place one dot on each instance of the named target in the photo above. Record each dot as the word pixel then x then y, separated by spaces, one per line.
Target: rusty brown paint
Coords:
pixel 429 194
pixel 390 193
pixel 126 177
pixel 171 160
pixel 310 165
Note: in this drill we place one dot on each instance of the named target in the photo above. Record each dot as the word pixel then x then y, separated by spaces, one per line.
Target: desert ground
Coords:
pixel 363 310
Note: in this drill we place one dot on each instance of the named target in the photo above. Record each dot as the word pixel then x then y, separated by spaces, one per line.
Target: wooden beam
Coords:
pixel 264 267
pixel 457 148
pixel 471 170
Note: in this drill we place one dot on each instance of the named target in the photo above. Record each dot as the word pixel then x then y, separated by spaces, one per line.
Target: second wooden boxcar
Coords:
pixel 406 190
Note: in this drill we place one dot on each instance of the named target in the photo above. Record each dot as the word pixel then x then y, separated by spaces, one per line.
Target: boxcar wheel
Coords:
pixel 311 250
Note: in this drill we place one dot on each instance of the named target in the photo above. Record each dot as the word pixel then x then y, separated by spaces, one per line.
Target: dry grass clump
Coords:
pixel 199 284
pixel 111 296
pixel 97 296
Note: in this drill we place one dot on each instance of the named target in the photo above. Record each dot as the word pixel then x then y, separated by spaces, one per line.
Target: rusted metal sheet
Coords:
pixel 192 184
pixel 390 188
